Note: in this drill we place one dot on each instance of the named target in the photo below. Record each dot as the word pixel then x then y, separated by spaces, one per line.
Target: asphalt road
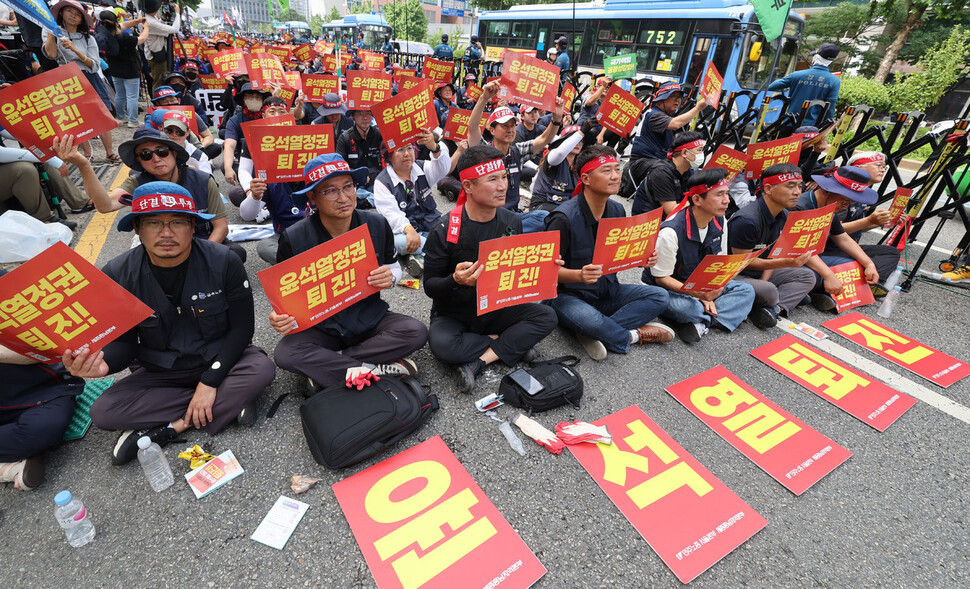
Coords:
pixel 894 514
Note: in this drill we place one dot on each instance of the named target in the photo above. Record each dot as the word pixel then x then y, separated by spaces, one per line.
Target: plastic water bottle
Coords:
pixel 889 303
pixel 155 465
pixel 73 518
pixel 934 276
pixel 893 279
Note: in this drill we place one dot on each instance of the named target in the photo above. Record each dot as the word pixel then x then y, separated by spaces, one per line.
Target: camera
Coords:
pixel 167 13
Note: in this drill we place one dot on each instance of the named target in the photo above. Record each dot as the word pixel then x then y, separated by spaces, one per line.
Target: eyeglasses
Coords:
pixel 156 226
pixel 173 131
pixel 146 155
pixel 334 193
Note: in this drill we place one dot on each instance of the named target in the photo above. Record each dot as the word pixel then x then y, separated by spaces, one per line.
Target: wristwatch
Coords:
pixel 437 149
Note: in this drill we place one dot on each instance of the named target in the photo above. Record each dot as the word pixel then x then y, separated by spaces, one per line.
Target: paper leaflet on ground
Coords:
pixel 280 523
pixel 214 474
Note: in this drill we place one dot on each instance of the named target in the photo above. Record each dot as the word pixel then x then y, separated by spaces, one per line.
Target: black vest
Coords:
pixel 199 324
pixel 552 184
pixel 649 144
pixel 580 252
pixel 197 183
pixel 513 171
pixel 361 317
pixel 690 250
pixel 420 208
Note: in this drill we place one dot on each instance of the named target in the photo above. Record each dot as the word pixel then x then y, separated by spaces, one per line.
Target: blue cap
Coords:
pixel 327 166
pixel 157 198
pixel 63 498
pixel 667 89
pixel 155 119
pixel 850 182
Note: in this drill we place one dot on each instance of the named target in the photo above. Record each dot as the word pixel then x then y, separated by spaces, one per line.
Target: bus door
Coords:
pixel 544 39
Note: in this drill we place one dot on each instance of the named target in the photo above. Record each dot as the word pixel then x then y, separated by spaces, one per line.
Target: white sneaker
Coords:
pixel 403 367
pixel 593 347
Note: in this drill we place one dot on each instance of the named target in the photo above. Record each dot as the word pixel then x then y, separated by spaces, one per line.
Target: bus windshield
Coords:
pixel 752 74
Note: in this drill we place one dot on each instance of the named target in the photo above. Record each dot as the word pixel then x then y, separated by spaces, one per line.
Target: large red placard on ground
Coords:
pixel 686 515
pixel 421 520
pixel 793 453
pixel 850 390
pixel 626 242
pixel 518 269
pixel 804 232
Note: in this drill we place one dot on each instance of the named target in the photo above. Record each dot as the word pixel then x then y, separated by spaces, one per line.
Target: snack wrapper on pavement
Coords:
pixel 537 432
pixel 196 456
pixel 578 432
pixel 410 283
pixel 301 483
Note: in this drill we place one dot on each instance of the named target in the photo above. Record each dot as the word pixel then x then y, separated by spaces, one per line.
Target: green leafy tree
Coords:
pixel 287 14
pixel 316 24
pixel 334 14
pixel 936 72
pixel 362 8
pixel 842 24
pixel 407 19
pixel 862 90
pixel 915 10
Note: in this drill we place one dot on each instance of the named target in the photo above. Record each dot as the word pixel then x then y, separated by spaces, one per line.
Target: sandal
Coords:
pixel 32 474
pixel 113 158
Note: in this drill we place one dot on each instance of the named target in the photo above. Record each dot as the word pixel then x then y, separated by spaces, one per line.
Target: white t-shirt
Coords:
pixel 667 246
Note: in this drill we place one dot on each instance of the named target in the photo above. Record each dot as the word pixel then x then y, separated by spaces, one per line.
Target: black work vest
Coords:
pixel 197 183
pixel 553 184
pixel 420 207
pixel 690 249
pixel 513 171
pixel 580 251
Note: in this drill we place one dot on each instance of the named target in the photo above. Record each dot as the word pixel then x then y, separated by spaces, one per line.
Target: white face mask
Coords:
pixel 253 104
pixel 698 161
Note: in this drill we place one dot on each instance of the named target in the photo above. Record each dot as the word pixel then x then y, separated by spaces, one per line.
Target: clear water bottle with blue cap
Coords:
pixel 73 519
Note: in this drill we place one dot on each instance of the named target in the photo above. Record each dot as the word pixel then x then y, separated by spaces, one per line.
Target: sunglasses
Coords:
pixel 174 131
pixel 146 155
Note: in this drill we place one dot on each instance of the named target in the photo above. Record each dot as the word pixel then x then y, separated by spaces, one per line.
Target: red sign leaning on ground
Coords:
pixel 845 387
pixel 365 89
pixel 855 289
pixel 264 69
pixel 619 111
pixel 783 446
pixel 626 242
pixel 716 271
pixel 231 62
pixel 421 521
pixel 518 269
pixel 804 232
pixel 528 81
pixel 279 153
pixel 402 117
pixel 52 104
pixel 438 70
pixel 322 281
pixel 686 515
pixel 315 86
pixel 729 159
pixel 58 301
pixel 942 369
pixel 712 85
pixel 768 153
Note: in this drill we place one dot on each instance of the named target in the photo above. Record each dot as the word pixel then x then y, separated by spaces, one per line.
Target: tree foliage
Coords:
pixel 843 24
pixel 863 90
pixel 936 72
pixel 407 19
pixel 287 15
pixel 334 14
pixel 362 8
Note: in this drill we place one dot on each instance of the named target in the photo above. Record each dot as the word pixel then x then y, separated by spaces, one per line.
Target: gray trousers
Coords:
pixel 146 399
pixel 786 287
pixel 325 358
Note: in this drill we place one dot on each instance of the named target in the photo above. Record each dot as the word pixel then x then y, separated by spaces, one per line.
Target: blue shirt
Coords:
pixel 562 60
pixel 815 83
pixel 443 50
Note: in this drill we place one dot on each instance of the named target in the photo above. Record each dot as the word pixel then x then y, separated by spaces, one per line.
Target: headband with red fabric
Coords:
pixel 590 166
pixel 473 172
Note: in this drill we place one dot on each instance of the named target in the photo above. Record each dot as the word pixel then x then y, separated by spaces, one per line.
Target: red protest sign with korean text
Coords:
pixel 186 109
pixel 401 118
pixel 406 84
pixel 626 242
pixel 405 73
pixel 529 81
pixel 231 62
pixel 397 510
pixel 715 271
pixel 438 70
pixel 282 52
pixel 264 69
pixel 316 86
pixel 568 96
pixel 212 82
pixel 456 127
pixel 687 516
pixel 933 365
pixel 473 93
pixel 370 60
pixel 898 207
pixel 855 289
pixel 187 48
pixel 53 104
pixel 305 52
pixel 518 269
pixel 59 301
pixel 365 89
pixel 279 120
pixel 324 280
pixel 793 453
pixel 851 390
pixel 768 153
pixel 279 153
pixel 619 111
pixel 711 85
pixel 292 87
pixel 804 232
pixel 321 47
pixel 728 159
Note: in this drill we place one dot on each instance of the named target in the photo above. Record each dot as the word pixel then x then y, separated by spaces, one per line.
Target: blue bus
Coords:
pixel 374 27
pixel 300 30
pixel 673 40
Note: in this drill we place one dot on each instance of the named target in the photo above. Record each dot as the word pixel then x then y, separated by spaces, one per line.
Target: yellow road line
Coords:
pixel 94 235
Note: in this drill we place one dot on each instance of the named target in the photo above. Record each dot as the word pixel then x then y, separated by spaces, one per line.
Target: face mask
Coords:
pixel 190 76
pixel 253 104
pixel 178 88
pixel 698 161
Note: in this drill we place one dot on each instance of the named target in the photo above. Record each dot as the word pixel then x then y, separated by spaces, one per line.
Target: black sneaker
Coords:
pixel 126 448
pixel 689 333
pixel 763 317
pixel 69 224
pixel 247 416
pixel 823 302
pixel 85 209
pixel 531 357
pixel 467 373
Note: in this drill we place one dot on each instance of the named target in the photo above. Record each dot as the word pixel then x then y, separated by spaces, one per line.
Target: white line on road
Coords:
pixel 900 383
pixel 939 250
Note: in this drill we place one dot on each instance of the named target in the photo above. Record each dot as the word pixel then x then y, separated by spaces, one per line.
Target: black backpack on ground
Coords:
pixel 562 384
pixel 344 426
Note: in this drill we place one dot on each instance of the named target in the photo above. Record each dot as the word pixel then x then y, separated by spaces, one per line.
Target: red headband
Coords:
pixel 781 178
pixel 869 160
pixel 850 184
pixel 691 145
pixel 704 188
pixel 473 172
pixel 590 166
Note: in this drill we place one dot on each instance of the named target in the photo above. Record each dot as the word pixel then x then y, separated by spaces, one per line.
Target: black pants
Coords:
pixel 519 328
pixel 885 257
pixel 25 432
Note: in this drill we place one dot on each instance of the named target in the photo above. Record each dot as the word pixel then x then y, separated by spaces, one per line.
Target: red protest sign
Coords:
pixel 280 153
pixel 279 120
pixel 456 127
pixel 711 85
pixel 568 96
pixel 687 516
pixel 626 242
pixel 324 280
pixel 370 60
pixel 401 118
pixel 768 153
pixel 305 52
pixel 52 104
pixel 529 82
pixel 715 271
pixel 212 82
pixel 264 69
pixel 792 452
pixel 438 70
pixel 282 52
pixel 619 111
pixel 329 62
pixel 852 391
pixel 855 289
pixel 395 509
pixel 898 207
pixel 473 93
pixel 188 48
pixel 406 84
pixel 292 87
pixel 518 269
pixel 365 89
pixel 241 43
pixel 804 232
pixel 942 369
pixel 186 109
pixel 231 62
pixel 316 86
pixel 322 47
pixel 729 159
pixel 406 73
pixel 57 301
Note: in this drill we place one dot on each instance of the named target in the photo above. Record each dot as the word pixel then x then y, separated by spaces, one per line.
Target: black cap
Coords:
pixel 444 38
pixel 828 51
pixel 562 41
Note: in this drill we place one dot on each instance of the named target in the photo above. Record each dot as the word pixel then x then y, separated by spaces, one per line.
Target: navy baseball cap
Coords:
pixel 327 166
pixel 157 198
pixel 850 182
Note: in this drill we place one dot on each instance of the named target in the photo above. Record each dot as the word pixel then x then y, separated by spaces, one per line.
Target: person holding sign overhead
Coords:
pixel 604 314
pixel 192 361
pixel 365 337
pixel 458 335
pixel 684 240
